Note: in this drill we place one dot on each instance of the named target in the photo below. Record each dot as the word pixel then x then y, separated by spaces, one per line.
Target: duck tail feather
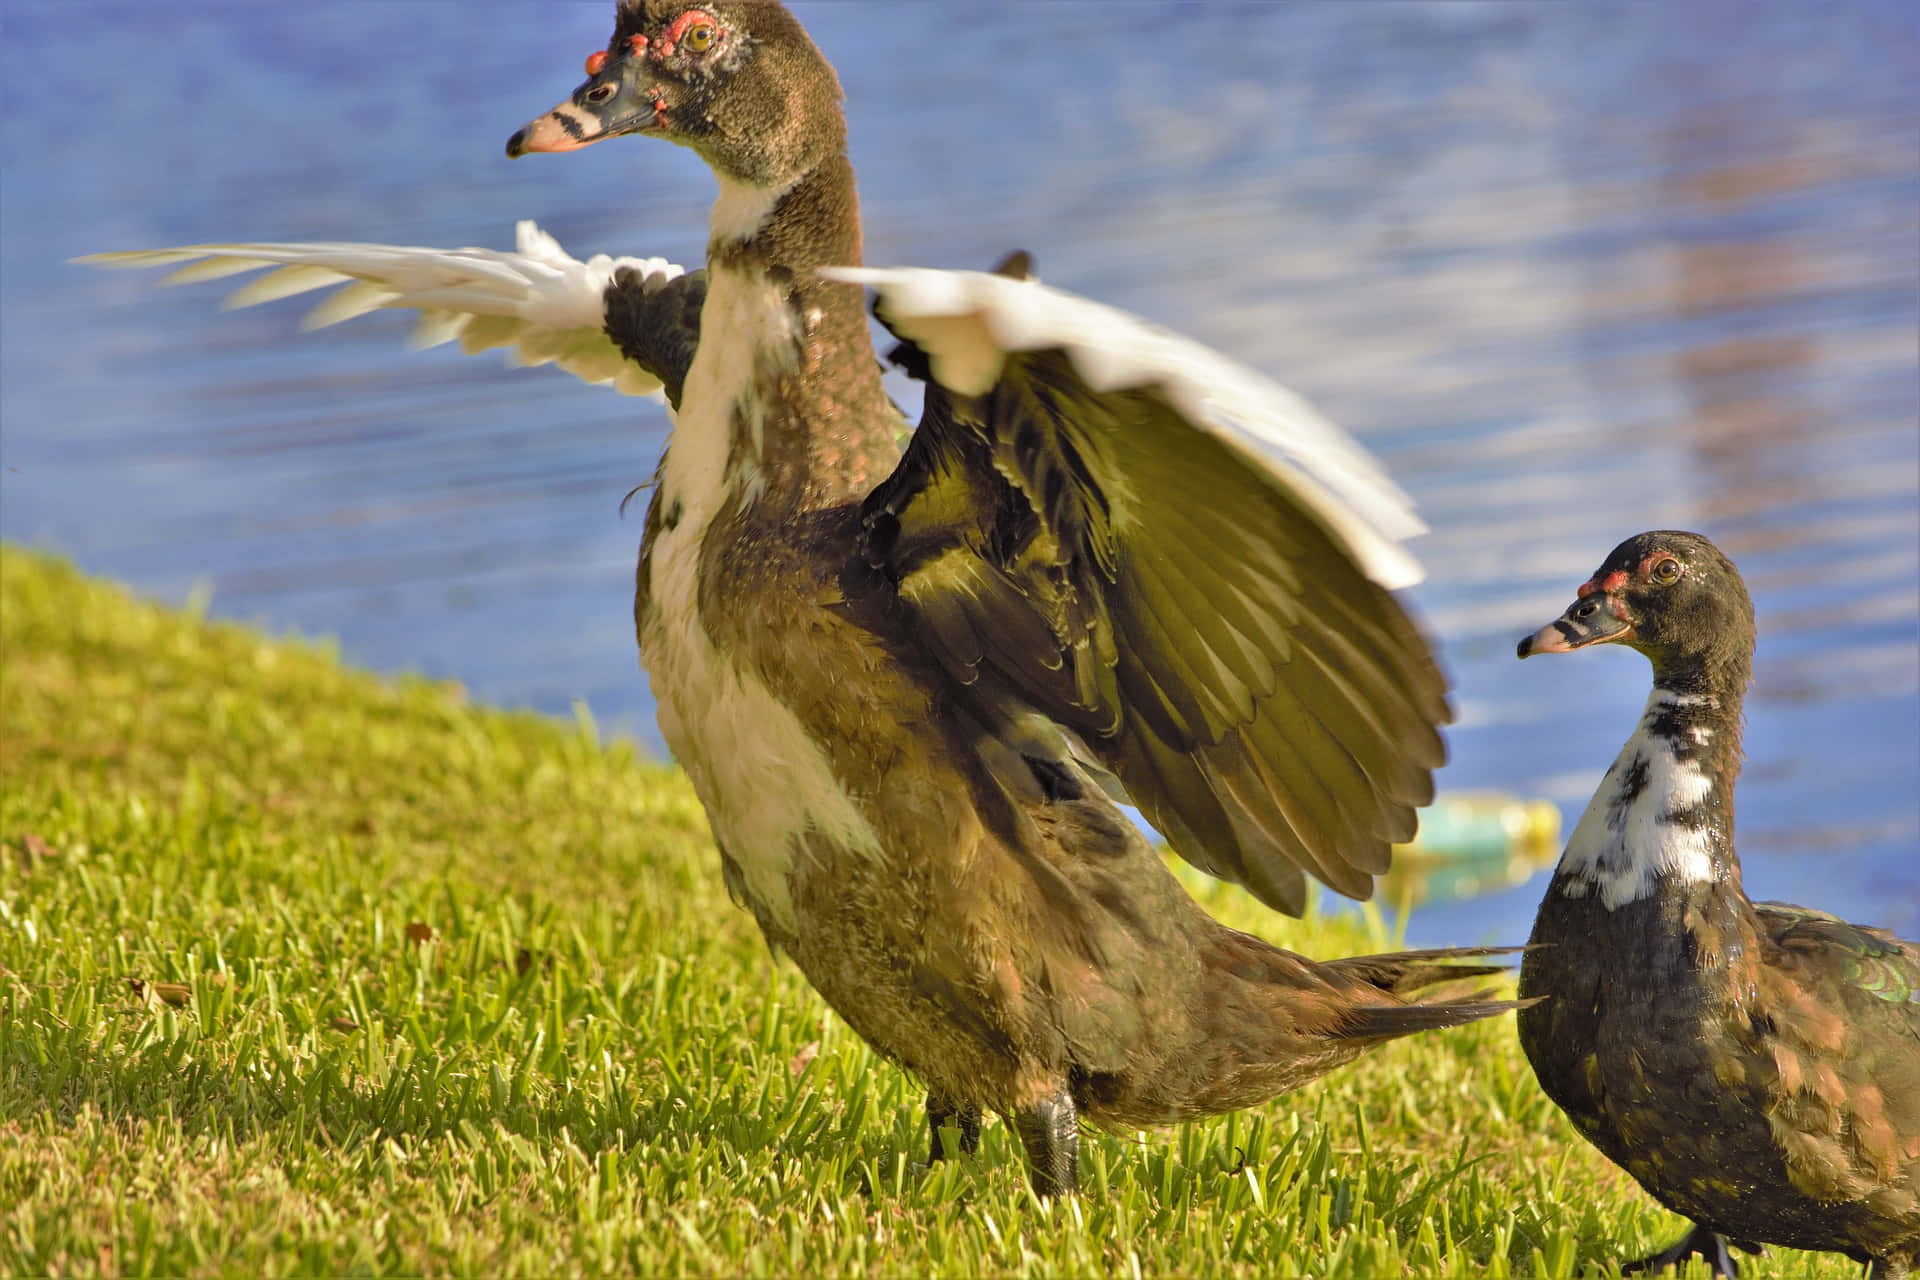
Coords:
pixel 1405 972
pixel 1390 1021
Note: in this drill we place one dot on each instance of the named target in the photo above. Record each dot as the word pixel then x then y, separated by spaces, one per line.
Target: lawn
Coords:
pixel 303 971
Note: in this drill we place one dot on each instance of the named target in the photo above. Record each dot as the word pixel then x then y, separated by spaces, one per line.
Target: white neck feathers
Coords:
pixel 1648 822
pixel 742 210
pixel 746 333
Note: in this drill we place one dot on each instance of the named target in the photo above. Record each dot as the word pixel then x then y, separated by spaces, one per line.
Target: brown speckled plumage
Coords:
pixel 1755 1066
pixel 974 904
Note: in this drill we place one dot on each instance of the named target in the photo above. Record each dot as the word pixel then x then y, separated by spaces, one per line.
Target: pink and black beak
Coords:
pixel 1599 616
pixel 621 95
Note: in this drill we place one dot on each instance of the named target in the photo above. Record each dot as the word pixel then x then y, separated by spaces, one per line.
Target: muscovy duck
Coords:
pixel 904 685
pixel 1754 1065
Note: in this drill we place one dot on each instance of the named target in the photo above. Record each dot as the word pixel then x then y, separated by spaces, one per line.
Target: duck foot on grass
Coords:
pixel 1701 1243
pixel 944 1113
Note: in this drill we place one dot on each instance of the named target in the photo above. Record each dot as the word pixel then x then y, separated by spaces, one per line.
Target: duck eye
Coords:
pixel 1666 571
pixel 699 37
pixel 600 93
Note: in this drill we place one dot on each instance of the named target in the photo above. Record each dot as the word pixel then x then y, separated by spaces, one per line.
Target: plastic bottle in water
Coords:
pixel 1471 843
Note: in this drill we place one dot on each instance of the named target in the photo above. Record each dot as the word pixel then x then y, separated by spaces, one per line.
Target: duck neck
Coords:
pixel 1661 823
pixel 790 392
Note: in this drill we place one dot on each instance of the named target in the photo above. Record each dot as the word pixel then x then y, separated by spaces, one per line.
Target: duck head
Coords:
pixel 738 81
pixel 1671 595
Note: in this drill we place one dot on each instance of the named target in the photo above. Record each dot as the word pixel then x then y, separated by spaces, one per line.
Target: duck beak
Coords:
pixel 622 97
pixel 1597 617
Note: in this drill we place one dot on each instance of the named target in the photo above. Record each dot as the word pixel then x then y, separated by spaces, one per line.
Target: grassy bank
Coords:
pixel 305 972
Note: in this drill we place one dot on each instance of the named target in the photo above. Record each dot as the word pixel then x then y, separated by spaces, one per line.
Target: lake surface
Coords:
pixel 1572 271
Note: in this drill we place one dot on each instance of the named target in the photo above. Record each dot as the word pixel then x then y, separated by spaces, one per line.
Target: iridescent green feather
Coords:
pixel 1868 960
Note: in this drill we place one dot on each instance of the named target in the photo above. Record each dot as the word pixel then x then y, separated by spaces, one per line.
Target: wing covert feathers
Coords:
pixel 970 322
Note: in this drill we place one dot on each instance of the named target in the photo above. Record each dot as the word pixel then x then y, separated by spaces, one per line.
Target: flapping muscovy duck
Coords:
pixel 1755 1066
pixel 905 685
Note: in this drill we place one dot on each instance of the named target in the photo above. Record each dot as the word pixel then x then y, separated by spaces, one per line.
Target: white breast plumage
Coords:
pixel 762 777
pixel 1634 830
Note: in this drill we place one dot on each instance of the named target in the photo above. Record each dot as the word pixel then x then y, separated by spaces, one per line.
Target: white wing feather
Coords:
pixel 540 301
pixel 969 322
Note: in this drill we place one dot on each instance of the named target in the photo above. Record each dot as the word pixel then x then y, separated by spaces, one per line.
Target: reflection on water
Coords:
pixel 1573 271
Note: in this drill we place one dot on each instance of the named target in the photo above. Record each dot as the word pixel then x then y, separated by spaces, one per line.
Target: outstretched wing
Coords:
pixel 1175 558
pixel 547 306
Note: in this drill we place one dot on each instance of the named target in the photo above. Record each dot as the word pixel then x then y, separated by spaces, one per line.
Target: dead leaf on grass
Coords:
pixel 343 1024
pixel 173 993
pixel 419 931
pixel 799 1062
pixel 35 849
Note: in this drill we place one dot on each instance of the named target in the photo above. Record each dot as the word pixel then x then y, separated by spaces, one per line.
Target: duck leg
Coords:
pixel 1701 1243
pixel 943 1112
pixel 1050 1131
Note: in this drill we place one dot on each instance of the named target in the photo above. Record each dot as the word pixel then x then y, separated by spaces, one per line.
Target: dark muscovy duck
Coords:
pixel 904 685
pixel 1756 1066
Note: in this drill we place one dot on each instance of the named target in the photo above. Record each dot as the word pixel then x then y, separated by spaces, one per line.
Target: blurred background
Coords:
pixel 1573 271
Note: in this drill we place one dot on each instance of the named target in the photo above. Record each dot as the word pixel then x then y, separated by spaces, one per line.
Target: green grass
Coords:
pixel 305 972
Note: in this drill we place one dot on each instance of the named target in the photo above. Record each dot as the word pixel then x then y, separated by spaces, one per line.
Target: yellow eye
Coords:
pixel 1666 571
pixel 699 37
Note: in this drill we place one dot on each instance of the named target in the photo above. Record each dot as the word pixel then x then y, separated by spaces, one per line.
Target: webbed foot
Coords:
pixel 1701 1243
pixel 1050 1130
pixel 944 1113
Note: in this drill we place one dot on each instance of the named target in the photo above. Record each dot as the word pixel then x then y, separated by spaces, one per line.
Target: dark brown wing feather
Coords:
pixel 657 325
pixel 1095 556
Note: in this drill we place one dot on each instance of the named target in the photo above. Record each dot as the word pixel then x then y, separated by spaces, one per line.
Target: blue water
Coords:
pixel 1573 271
